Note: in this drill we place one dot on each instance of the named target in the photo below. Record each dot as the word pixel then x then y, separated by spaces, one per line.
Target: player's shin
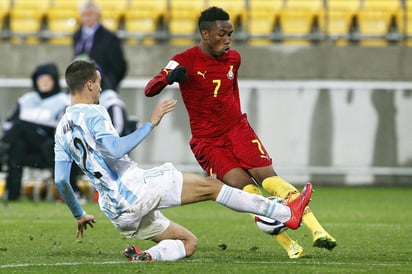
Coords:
pixel 251 188
pixel 278 187
pixel 242 201
pixel 293 249
pixel 168 250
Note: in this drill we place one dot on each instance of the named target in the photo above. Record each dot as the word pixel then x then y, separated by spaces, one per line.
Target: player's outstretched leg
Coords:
pixel 279 187
pixel 293 249
pixel 290 215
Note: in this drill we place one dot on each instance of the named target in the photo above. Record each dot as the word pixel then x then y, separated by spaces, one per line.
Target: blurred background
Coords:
pixel 327 84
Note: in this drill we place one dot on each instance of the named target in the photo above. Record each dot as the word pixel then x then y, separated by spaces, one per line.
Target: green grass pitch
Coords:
pixel 373 227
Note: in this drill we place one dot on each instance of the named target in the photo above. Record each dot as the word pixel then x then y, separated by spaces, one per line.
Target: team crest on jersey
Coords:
pixel 230 73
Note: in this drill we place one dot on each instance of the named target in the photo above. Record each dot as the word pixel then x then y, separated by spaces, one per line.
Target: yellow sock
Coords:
pixel 283 238
pixel 311 222
pixel 251 188
pixel 279 187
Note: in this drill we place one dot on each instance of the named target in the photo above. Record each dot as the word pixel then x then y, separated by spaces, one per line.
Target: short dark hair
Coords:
pixel 209 16
pixel 79 72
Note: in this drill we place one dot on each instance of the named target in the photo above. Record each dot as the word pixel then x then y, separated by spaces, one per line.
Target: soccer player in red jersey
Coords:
pixel 223 142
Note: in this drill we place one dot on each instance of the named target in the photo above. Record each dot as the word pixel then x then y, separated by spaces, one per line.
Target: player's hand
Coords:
pixel 161 109
pixel 82 223
pixel 177 75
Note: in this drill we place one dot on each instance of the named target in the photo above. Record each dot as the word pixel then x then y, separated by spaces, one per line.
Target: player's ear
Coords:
pixel 89 85
pixel 205 34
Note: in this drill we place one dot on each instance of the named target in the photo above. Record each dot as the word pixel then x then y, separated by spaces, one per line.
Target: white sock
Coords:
pixel 246 202
pixel 168 250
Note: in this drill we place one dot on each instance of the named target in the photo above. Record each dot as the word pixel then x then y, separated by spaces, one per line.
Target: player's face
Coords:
pixel 217 40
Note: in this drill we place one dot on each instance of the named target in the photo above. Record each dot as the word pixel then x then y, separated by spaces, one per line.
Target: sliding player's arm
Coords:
pixel 62 178
pixel 119 146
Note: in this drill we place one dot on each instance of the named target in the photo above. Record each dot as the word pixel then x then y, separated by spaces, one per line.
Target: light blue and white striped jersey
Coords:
pixel 77 138
pixel 111 99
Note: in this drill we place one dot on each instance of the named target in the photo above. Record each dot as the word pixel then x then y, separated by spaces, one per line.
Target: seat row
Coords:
pixel 261 22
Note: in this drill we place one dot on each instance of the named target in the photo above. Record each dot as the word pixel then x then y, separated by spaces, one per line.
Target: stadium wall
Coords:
pixel 333 115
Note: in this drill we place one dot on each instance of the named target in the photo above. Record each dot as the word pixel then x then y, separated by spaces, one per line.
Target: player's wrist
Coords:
pixel 177 75
pixel 81 216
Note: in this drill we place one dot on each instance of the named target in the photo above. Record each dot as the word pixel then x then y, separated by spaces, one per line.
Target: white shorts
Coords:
pixel 162 188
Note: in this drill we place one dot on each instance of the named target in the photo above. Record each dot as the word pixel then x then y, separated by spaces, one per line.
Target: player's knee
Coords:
pixel 213 187
pixel 239 184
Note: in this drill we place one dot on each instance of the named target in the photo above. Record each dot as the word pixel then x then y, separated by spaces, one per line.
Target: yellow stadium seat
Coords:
pixel 404 23
pixel 349 4
pixel 119 5
pixel 142 20
pixel 5 5
pixel 339 20
pixel 67 4
pixel 262 17
pixel 42 5
pixel 375 19
pixel 111 19
pixel 297 19
pixel 25 25
pixel 381 4
pixel 305 4
pixel 4 13
pixel 26 20
pixel 62 23
pixel 112 12
pixel 237 10
pixel 182 20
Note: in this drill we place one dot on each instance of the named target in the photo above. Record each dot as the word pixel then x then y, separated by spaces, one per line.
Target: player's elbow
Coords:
pixel 150 93
pixel 60 178
pixel 115 152
pixel 117 155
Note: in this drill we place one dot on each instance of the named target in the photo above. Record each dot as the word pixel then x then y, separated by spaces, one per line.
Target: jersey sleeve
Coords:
pixel 62 167
pixel 119 146
pixel 59 153
pixel 100 124
pixel 62 178
pixel 159 82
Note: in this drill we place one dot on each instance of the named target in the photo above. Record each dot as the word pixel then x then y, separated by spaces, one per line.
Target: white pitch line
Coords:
pixel 301 262
pixel 62 264
pixel 362 264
